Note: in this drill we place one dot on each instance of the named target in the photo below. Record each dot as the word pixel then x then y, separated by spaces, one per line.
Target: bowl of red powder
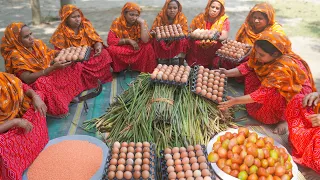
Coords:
pixel 70 157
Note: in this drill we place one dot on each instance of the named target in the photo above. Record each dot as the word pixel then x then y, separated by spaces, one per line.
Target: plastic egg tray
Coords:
pixel 194 83
pixel 174 83
pixel 163 164
pixel 152 165
pixel 232 59
pixel 169 38
pixel 215 37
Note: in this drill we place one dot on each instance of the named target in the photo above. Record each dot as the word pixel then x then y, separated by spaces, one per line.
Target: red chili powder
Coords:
pixel 69 159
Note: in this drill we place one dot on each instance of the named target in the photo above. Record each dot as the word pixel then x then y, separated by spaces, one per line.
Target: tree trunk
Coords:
pixel 64 2
pixel 36 13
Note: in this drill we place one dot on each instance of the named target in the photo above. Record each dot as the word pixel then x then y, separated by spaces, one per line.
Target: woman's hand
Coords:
pixel 97 48
pixel 39 105
pixel 311 99
pixel 224 71
pixel 61 65
pixel 140 20
pixel 225 105
pixel 24 124
pixel 315 120
pixel 134 44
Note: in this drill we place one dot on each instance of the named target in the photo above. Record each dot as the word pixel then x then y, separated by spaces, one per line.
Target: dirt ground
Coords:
pixel 300 19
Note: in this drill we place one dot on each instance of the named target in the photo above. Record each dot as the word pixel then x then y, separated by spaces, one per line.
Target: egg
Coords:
pixel 146 155
pixel 209 90
pixel 127 175
pixel 113 162
pixel 199 153
pixel 115 156
pixel 188 174
pixel 120 167
pixel 121 161
pixel 145 174
pixel 129 167
pixel 215 92
pixel 214 97
pixel 172 175
pixel 177 162
pixel 190 148
pixel 203 92
pixel 138 161
pixel 216 82
pixel 178 168
pixel 205 172
pixel 146 161
pixel 177 79
pixel 203 166
pixel 167 151
pixel 112 168
pixel 221 84
pixel 195 166
pixel 137 167
pixel 138 149
pixel 170 162
pixel 220 94
pixel 69 57
pixel 138 155
pixel 170 169
pixel 222 80
pixel 111 174
pixel 124 149
pixel 146 144
pixel 201 159
pixel 205 78
pixel 171 77
pixel 145 167
pixel 180 175
pixel 192 154
pixel 129 161
pixel 184 154
pixel 193 160
pixel 185 160
pixel 208 95
pixel 219 99
pixel 198 90
pixel 186 167
pixel 220 89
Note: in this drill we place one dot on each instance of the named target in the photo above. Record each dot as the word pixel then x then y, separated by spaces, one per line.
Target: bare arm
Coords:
pixel 144 30
pixel 235 100
pixel 224 35
pixel 231 72
pixel 16 122
pixel 38 104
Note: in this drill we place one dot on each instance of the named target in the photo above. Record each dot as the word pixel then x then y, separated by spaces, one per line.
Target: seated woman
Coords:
pixel 128 41
pixel 303 119
pixel 260 18
pixel 31 60
pixel 23 128
pixel 171 13
pixel 75 30
pixel 214 18
pixel 273 75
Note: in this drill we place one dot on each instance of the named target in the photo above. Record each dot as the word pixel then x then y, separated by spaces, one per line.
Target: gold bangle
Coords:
pixel 43 72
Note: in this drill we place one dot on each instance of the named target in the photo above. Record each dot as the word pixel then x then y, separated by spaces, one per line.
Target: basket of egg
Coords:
pixel 205 34
pixel 170 32
pixel 73 54
pixel 131 161
pixel 234 51
pixel 172 75
pixel 209 84
pixel 243 154
pixel 185 163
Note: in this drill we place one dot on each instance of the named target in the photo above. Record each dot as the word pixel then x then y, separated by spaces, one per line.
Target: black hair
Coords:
pixel 267 47
pixel 176 2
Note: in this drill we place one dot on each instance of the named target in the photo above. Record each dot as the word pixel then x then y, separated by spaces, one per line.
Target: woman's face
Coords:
pixel 173 9
pixel 26 37
pixel 214 9
pixel 262 56
pixel 131 17
pixel 74 20
pixel 259 21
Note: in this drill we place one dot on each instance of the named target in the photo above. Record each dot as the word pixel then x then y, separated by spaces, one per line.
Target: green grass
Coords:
pixel 305 17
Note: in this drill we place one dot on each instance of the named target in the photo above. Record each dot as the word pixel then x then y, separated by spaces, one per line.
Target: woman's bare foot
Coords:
pixel 281 128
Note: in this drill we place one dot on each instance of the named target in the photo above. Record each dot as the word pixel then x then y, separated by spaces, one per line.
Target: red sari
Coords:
pixel 125 56
pixel 17 149
pixel 204 55
pixel 168 50
pixel 60 86
pixel 272 85
pixel 304 139
pixel 97 67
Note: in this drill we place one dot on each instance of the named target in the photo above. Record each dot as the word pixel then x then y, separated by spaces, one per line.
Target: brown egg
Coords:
pixel 146 161
pixel 171 77
pixel 184 80
pixel 195 166
pixel 146 155
pixel 215 92
pixel 220 89
pixel 172 175
pixel 203 165
pixel 220 94
pixel 180 175
pixel 214 97
pixel 115 156
pixel 209 89
pixel 198 90
pixel 178 168
pixel 201 159
pixel 186 167
pixel 145 167
pixel 205 172
pixel 208 95
pixel 81 57
pixel 111 174
pixel 145 174
pixel 177 79
pixel 137 167
pixel 74 57
pixel 112 168
pixel 136 174
pixel 69 57
pixel 219 99
pixel 192 154
pixel 120 167
pixel 188 174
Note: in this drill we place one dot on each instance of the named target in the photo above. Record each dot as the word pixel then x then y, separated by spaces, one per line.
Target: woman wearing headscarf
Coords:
pixel 273 76
pixel 171 13
pixel 23 128
pixel 262 17
pixel 74 31
pixel 214 18
pixel 32 61
pixel 128 41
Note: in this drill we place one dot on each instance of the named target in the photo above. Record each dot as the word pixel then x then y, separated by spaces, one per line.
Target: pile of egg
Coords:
pixel 71 54
pixel 233 49
pixel 130 160
pixel 203 34
pixel 210 84
pixel 175 73
pixel 169 31
pixel 185 163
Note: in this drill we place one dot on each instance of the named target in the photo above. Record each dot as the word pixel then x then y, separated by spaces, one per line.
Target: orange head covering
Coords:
pixel 17 57
pixel 201 20
pixel 162 18
pixel 65 37
pixel 13 103
pixel 283 73
pixel 119 25
pixel 246 33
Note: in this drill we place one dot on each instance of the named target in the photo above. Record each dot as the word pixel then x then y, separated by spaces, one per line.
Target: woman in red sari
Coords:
pixel 261 17
pixel 213 18
pixel 31 60
pixel 303 118
pixel 273 76
pixel 171 13
pixel 23 128
pixel 75 30
pixel 128 41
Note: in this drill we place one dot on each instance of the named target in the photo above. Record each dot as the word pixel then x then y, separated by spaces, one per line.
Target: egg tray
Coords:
pixel 227 58
pixel 214 38
pixel 171 38
pixel 152 164
pixel 194 84
pixel 86 55
pixel 174 83
pixel 163 164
